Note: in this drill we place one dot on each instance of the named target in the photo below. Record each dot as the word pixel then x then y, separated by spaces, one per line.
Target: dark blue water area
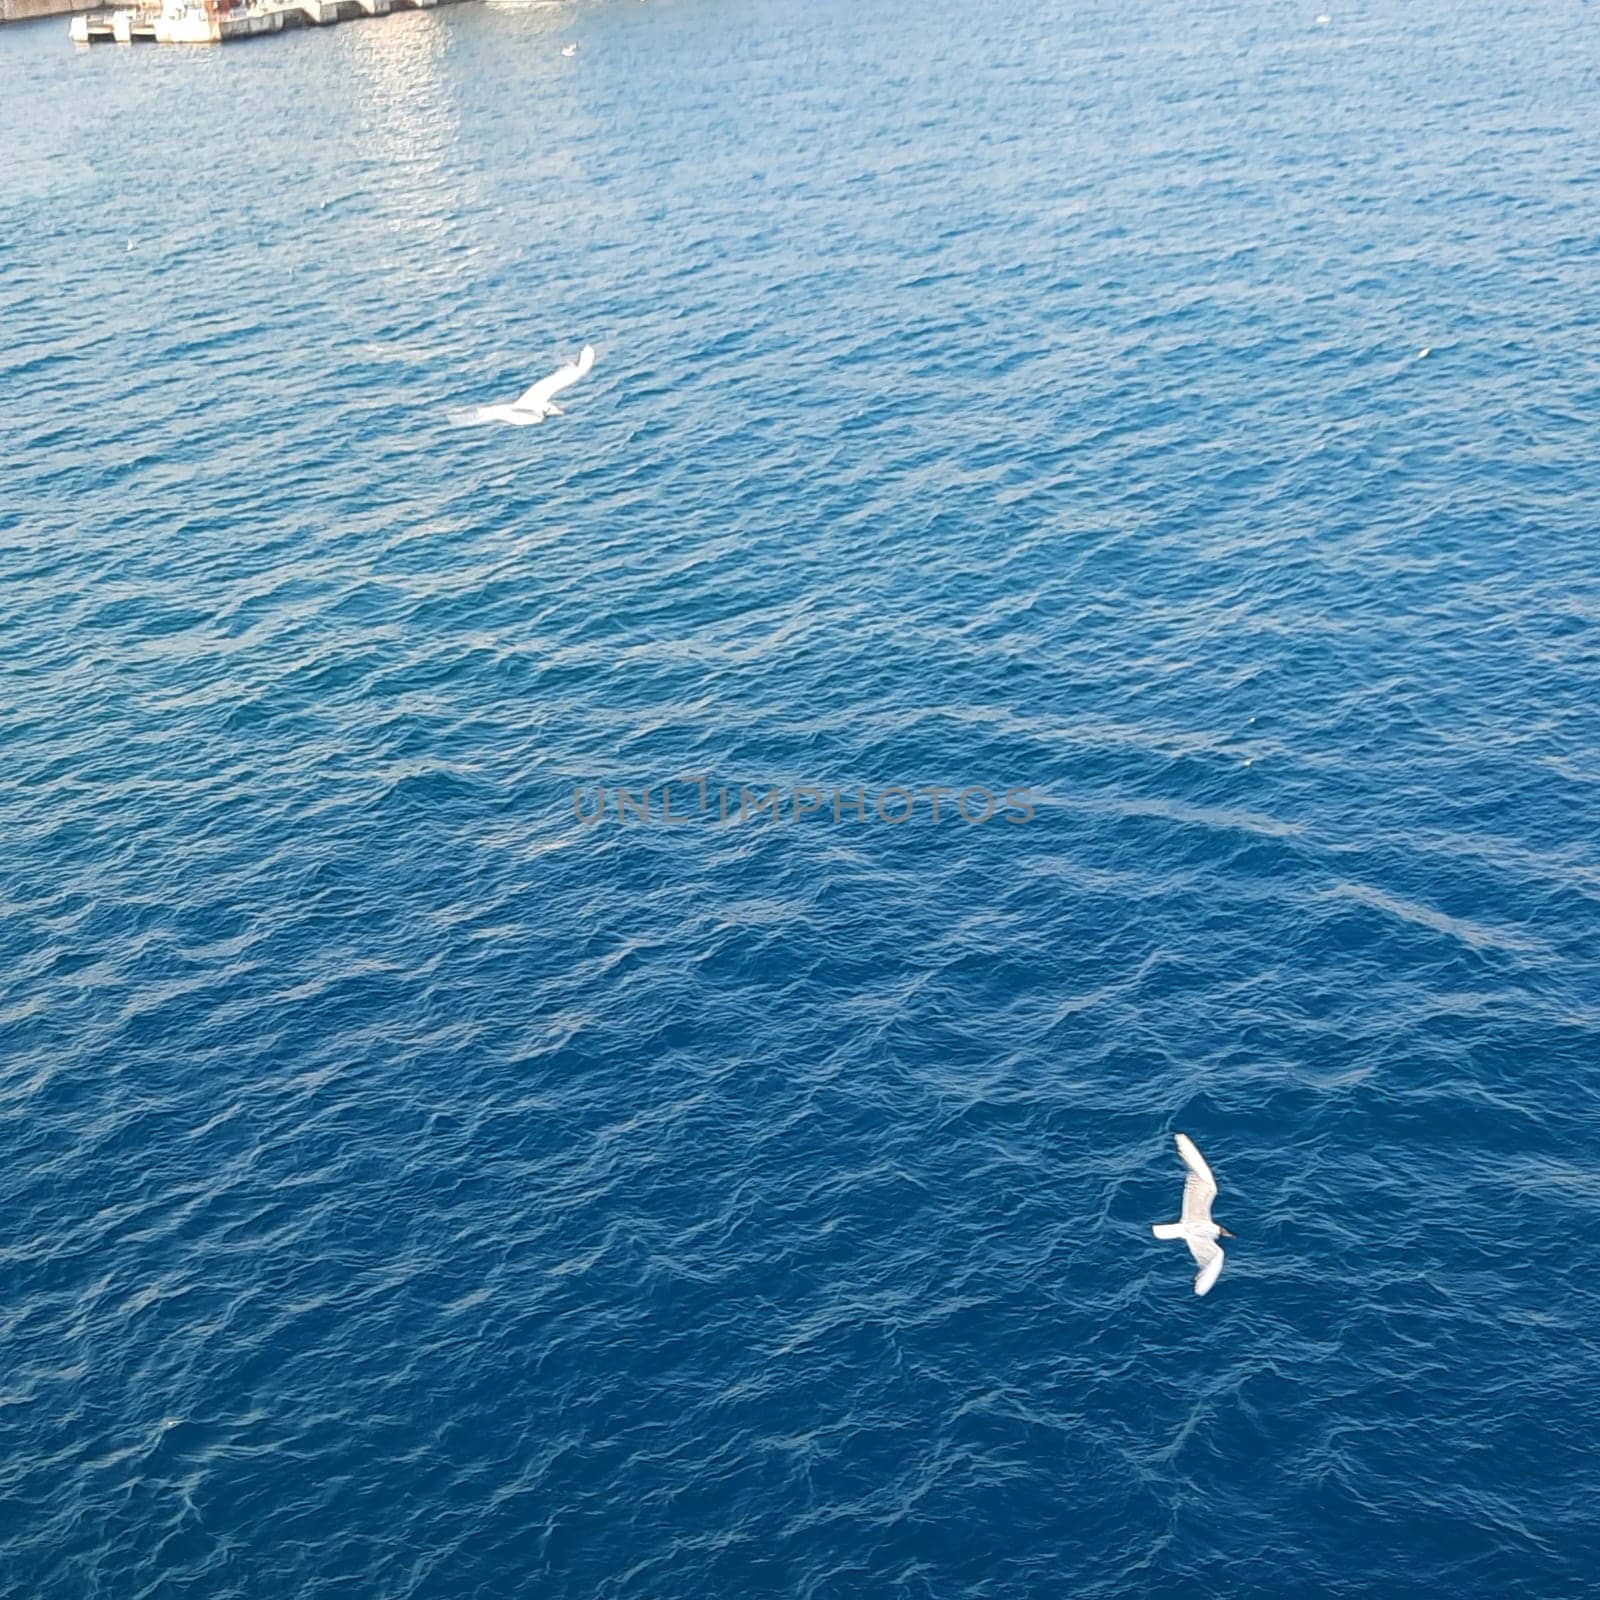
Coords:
pixel 410 1190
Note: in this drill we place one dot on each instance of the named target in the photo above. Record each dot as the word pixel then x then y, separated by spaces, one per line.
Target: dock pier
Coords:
pixel 217 21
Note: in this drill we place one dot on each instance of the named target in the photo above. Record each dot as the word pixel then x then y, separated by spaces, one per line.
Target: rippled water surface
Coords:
pixel 408 1190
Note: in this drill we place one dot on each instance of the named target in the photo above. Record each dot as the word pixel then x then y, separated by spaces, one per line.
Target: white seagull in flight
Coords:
pixel 537 403
pixel 1196 1228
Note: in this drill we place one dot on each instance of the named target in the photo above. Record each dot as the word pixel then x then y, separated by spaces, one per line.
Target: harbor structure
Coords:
pixel 217 21
pixel 27 10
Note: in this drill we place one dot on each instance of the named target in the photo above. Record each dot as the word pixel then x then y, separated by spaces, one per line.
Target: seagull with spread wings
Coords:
pixel 1195 1226
pixel 538 402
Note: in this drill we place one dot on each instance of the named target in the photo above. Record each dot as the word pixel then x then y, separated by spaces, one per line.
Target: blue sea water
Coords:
pixel 409 1190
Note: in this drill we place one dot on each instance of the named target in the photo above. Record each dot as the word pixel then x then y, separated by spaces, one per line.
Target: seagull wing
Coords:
pixel 1199 1188
pixel 1208 1255
pixel 546 389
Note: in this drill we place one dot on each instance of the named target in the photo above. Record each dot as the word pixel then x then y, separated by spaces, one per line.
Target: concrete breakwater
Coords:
pixel 26 10
pixel 216 21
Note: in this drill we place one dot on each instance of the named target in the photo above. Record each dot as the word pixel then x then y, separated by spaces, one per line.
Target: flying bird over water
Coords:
pixel 538 402
pixel 1195 1227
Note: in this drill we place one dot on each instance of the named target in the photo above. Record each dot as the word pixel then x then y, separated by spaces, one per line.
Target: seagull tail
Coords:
pixel 1167 1230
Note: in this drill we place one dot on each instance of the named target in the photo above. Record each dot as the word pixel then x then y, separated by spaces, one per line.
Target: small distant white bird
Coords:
pixel 1196 1228
pixel 569 49
pixel 538 402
